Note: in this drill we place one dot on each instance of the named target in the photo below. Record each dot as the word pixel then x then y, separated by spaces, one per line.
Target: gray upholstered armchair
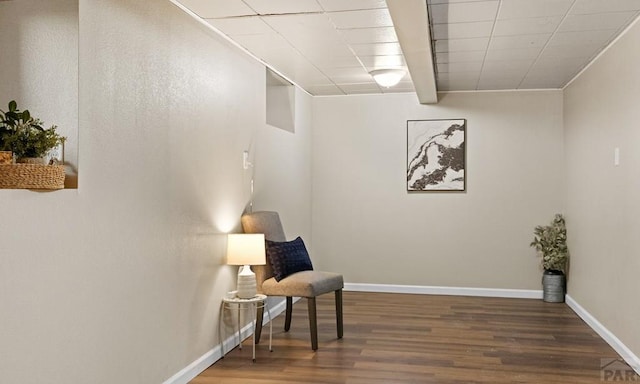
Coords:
pixel 308 284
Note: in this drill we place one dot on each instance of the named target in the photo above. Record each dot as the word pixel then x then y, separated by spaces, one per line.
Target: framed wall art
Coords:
pixel 436 156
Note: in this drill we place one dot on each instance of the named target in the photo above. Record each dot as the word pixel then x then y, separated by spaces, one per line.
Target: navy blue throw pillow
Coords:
pixel 288 257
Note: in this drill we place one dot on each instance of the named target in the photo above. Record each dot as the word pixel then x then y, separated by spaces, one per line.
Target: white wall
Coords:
pixel 286 188
pixel 368 227
pixel 603 206
pixel 120 281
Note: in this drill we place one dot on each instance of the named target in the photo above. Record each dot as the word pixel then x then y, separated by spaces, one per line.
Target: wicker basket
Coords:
pixel 6 157
pixel 31 176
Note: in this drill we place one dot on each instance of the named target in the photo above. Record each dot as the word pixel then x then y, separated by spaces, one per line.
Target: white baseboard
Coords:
pixel 203 362
pixel 452 291
pixel 607 335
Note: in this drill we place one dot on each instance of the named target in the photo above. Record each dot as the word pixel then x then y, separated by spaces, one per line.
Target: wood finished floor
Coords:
pixel 399 338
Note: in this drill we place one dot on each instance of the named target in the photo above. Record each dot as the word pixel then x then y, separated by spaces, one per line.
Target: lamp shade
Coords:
pixel 245 249
pixel 387 77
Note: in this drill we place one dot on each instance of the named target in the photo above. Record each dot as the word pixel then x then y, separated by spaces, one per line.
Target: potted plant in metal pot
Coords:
pixel 24 135
pixel 551 243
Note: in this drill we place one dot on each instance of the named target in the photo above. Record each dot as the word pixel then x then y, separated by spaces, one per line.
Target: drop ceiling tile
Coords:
pixel 463 12
pixel 210 9
pixel 389 61
pixel 583 52
pixel 305 69
pixel 528 26
pixel 319 49
pixel 498 83
pixel 369 18
pixel 513 54
pixel 462 30
pixel 342 5
pixel 278 7
pixel 465 66
pixel 324 90
pixel 457 85
pixel 294 66
pixel 519 41
pixel 563 74
pixel 614 20
pixel 377 49
pixel 510 75
pixel 315 26
pixel 263 45
pixel 553 62
pixel 457 45
pixel 284 58
pixel 520 9
pixel 306 79
pixel 461 76
pixel 558 62
pixel 370 35
pixel 356 72
pixel 599 37
pixel 241 26
pixel 545 79
pixel 335 61
pixel 507 65
pixel 453 57
pixel 601 6
pixel 358 88
pixel 542 83
pixel 348 75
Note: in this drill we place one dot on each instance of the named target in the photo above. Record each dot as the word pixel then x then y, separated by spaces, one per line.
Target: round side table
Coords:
pixel 257 302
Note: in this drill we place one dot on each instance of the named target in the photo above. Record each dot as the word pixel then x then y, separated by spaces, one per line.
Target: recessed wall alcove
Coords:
pixel 39 67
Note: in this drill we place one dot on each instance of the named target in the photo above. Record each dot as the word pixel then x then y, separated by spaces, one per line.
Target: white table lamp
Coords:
pixel 246 250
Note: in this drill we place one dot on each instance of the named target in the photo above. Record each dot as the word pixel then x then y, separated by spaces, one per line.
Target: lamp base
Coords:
pixel 246 283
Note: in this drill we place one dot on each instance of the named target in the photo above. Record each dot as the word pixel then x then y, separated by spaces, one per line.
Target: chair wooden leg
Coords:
pixel 287 316
pixel 259 317
pixel 313 322
pixel 339 322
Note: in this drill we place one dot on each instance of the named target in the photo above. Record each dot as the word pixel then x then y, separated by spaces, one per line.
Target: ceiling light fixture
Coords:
pixel 387 77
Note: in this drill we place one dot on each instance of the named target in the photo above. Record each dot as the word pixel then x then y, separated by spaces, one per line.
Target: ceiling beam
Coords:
pixel 411 22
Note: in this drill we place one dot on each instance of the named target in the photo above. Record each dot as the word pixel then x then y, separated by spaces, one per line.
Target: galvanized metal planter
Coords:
pixel 553 286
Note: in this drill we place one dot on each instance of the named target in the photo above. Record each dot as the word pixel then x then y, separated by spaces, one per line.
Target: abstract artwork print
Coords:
pixel 436 155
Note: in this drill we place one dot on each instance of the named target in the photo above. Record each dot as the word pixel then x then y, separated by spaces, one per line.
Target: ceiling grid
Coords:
pixel 329 47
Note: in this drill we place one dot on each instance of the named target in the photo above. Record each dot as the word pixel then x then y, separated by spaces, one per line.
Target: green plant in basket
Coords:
pixel 24 135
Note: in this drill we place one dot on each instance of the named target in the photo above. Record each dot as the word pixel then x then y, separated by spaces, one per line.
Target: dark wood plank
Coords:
pixel 397 338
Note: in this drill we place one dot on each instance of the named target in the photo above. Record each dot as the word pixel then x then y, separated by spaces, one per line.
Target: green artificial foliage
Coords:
pixel 551 243
pixel 24 135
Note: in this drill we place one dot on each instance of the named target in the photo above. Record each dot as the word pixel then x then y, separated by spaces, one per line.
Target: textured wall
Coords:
pixel 120 281
pixel 366 225
pixel 603 210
